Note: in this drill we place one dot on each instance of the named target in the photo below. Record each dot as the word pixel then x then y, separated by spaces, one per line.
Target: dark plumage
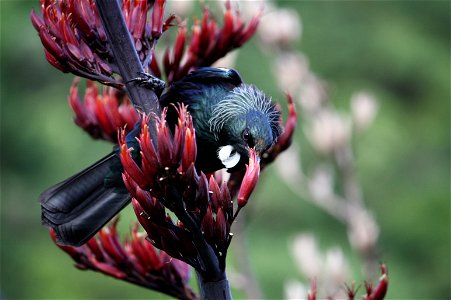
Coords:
pixel 229 118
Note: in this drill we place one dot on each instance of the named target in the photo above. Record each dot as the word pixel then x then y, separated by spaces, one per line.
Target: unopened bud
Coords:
pixel 189 149
pixel 290 70
pixel 364 109
pixel 250 179
pixel 287 31
pixel 131 167
pixel 307 255
pixel 295 290
pixel 286 137
pixel 329 131
pixel 363 232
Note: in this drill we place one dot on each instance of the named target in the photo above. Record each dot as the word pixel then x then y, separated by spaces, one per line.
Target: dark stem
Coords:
pixel 144 99
pixel 214 290
pixel 210 263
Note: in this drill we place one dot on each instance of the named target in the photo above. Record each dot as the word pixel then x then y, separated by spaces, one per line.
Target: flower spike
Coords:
pixel 135 260
pixel 101 115
pixel 207 43
pixel 75 41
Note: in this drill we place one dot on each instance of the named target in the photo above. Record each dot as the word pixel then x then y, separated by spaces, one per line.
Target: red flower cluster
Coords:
pixel 207 44
pixel 102 115
pixel 377 293
pixel 75 41
pixel 168 179
pixel 135 260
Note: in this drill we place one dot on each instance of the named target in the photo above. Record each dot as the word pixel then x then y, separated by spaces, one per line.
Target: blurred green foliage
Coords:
pixel 397 50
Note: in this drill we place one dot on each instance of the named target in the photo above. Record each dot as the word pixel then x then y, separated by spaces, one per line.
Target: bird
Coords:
pixel 229 117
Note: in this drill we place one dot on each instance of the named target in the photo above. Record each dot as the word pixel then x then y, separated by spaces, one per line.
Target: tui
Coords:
pixel 229 118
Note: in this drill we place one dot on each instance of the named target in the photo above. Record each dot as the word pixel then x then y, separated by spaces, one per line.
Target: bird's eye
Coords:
pixel 246 134
pixel 248 137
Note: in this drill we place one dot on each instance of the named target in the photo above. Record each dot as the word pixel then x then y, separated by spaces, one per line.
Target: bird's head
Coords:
pixel 245 119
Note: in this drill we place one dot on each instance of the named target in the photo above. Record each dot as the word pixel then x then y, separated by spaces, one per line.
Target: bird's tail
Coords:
pixel 81 205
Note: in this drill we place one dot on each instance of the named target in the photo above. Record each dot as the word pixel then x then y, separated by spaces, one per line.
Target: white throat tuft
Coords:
pixel 228 156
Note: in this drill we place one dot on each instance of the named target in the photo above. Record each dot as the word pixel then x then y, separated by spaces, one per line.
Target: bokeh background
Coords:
pixel 397 50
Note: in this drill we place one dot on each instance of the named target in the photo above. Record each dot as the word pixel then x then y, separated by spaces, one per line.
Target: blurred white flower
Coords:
pixel 290 69
pixel 363 232
pixel 250 8
pixel 336 267
pixel 181 8
pixel 364 108
pixel 321 183
pixel 288 165
pixel 312 94
pixel 280 27
pixel 328 131
pixel 307 255
pixel 295 290
pixel 331 268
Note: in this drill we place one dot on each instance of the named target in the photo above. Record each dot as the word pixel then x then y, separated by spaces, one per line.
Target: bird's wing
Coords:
pixel 197 85
pixel 200 90
pixel 78 207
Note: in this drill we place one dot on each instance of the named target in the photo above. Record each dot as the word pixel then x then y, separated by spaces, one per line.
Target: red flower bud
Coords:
pixel 152 254
pixel 157 18
pixel 312 293
pixel 226 201
pixel 380 291
pixel 102 116
pixel 147 148
pixel 107 268
pixel 215 194
pixel 138 18
pixel 247 33
pixel 93 245
pixel 179 46
pixel 165 145
pixel 207 225
pixel 143 218
pixel 50 44
pixel 227 29
pixel 189 149
pixel 130 166
pixel 221 226
pixel 54 62
pixel 202 195
pixel 108 238
pixel 290 125
pixel 250 178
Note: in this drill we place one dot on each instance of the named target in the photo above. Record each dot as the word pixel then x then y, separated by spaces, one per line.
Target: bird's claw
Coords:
pixel 149 81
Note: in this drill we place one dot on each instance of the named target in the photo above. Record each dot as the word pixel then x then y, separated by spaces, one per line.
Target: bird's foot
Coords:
pixel 149 81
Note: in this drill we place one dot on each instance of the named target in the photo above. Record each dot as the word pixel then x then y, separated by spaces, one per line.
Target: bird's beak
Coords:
pixel 259 148
pixel 257 152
